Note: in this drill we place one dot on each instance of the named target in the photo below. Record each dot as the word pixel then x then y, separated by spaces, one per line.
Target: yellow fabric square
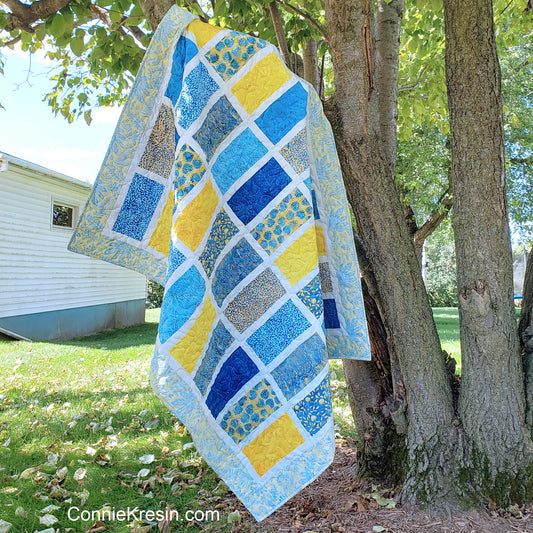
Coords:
pixel 263 79
pixel 191 346
pixel 321 241
pixel 160 239
pixel 202 31
pixel 299 258
pixel 277 440
pixel 193 222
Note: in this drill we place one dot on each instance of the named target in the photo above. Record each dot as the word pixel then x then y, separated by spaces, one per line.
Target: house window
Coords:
pixel 62 215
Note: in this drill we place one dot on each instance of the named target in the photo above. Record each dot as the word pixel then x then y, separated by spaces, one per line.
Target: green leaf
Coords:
pixel 77 46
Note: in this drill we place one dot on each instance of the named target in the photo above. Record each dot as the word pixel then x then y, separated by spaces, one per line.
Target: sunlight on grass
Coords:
pixel 81 426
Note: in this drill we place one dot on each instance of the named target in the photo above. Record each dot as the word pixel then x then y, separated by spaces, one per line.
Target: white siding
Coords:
pixel 37 272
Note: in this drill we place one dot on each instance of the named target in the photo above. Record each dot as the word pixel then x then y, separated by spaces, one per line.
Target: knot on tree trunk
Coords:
pixel 476 296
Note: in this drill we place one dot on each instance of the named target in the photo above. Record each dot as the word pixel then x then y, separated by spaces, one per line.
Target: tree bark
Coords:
pixel 433 438
pixel 388 22
pixel 525 334
pixel 155 10
pixel 491 400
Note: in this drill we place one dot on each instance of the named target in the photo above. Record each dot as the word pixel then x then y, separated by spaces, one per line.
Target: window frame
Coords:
pixel 69 205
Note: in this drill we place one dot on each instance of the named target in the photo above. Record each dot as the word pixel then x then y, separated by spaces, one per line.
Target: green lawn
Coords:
pixel 80 427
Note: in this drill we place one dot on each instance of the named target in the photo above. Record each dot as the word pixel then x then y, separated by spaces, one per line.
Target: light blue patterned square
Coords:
pixel 236 159
pixel 198 87
pixel 278 332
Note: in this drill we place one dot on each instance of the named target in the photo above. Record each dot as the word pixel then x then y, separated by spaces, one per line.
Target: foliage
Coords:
pixel 154 297
pixel 441 277
pixel 422 168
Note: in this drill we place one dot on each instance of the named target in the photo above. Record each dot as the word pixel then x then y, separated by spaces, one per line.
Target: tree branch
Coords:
pixel 521 160
pixel 417 83
pixel 280 33
pixel 432 223
pixel 22 16
pixel 310 19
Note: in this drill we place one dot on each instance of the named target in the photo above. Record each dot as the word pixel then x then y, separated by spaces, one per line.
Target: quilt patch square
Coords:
pixel 237 370
pixel 295 152
pixel 250 411
pixel 315 409
pixel 278 332
pixel 192 223
pixel 254 195
pixel 301 366
pixel 138 207
pixel 221 120
pixel 236 265
pixel 232 52
pixel 191 102
pixel 221 233
pixel 273 444
pixel 284 113
pixel 189 171
pixel 331 316
pixel 158 156
pixel 263 79
pixel 236 159
pixel 282 221
pixel 252 302
pixel 311 296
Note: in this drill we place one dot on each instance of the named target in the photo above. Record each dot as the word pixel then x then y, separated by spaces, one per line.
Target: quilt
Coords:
pixel 222 183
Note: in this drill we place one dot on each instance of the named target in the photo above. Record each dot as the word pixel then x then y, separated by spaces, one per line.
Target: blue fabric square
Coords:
pixel 175 259
pixel 185 50
pixel 198 87
pixel 221 120
pixel 278 332
pixel 301 367
pixel 219 343
pixel 283 114
pixel 180 301
pixel 254 195
pixel 237 264
pixel 236 159
pixel 138 207
pixel 235 372
pixel 315 409
pixel 315 205
pixel 331 317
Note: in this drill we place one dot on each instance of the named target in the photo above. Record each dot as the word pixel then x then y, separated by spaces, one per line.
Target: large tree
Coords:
pixel 404 402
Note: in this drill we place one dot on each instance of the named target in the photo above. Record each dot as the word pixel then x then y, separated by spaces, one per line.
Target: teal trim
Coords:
pixel 66 324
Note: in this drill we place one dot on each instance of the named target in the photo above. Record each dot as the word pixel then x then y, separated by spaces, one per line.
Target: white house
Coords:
pixel 47 292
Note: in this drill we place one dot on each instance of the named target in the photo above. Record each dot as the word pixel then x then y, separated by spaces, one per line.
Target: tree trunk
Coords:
pixel 525 333
pixel 155 10
pixel 491 400
pixel 433 438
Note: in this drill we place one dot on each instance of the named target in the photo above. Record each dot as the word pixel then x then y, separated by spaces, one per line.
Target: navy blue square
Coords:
pixel 138 207
pixel 283 114
pixel 259 191
pixel 235 372
pixel 331 317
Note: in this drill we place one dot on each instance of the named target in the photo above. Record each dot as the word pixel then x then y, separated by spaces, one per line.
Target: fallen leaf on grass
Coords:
pixel 80 474
pixel 50 508
pixel 20 511
pixel 97 527
pixel 5 526
pixel 147 459
pixel 29 472
pixel 48 520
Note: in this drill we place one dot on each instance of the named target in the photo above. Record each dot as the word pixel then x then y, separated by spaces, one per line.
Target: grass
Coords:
pixel 80 426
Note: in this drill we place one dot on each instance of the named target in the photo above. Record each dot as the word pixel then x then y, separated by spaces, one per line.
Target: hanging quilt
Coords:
pixel 222 183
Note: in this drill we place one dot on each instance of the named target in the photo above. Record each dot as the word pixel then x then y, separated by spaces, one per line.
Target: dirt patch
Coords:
pixel 338 502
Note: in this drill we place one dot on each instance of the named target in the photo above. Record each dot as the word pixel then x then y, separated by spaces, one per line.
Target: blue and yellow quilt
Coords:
pixel 222 183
